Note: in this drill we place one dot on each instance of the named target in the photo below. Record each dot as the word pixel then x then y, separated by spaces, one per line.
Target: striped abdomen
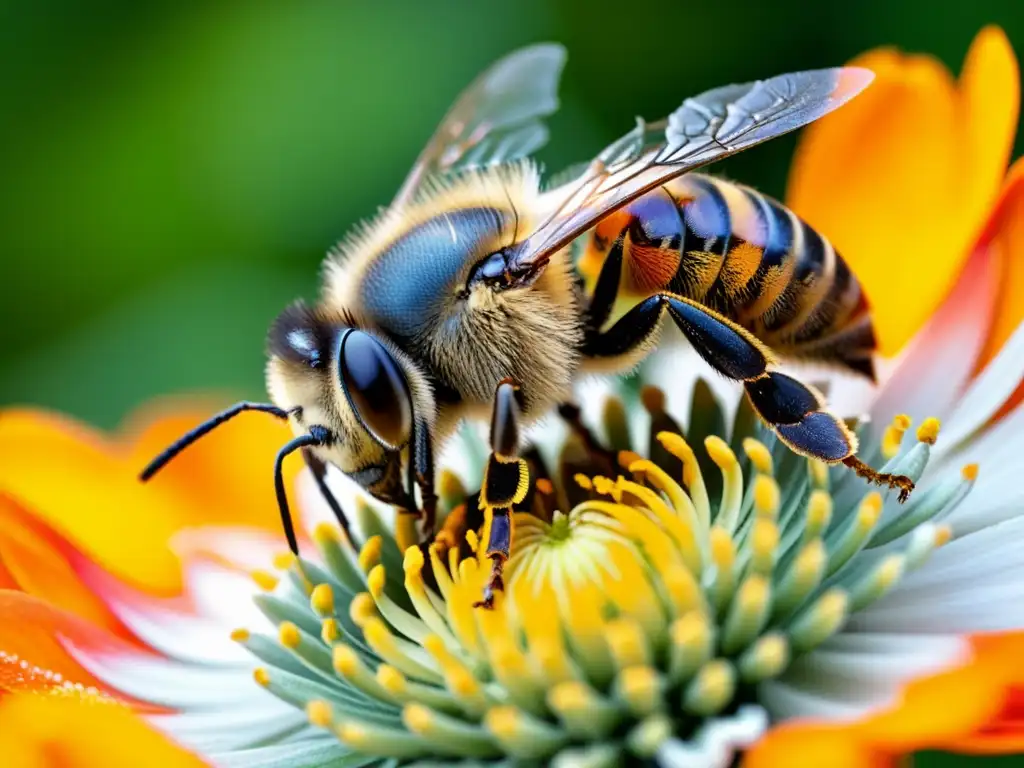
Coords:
pixel 747 257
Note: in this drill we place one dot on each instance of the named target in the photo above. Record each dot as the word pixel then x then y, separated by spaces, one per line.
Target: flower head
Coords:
pixel 661 616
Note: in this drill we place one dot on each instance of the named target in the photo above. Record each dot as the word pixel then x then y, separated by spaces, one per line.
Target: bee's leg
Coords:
pixel 506 482
pixel 795 412
pixel 421 473
pixel 318 468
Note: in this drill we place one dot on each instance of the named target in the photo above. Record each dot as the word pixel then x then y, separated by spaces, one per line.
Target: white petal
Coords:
pixel 231 729
pixel 249 548
pixel 323 752
pixel 717 741
pixel 974 583
pixel 172 684
pixel 856 672
pixel 986 394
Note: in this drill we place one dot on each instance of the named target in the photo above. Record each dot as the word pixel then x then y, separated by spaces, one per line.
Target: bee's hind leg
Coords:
pixel 505 484
pixel 794 411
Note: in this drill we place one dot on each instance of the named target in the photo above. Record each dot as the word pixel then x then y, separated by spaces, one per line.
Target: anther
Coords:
pixel 322 600
pixel 265 580
pixel 320 713
pixel 928 432
pixel 893 435
pixel 759 455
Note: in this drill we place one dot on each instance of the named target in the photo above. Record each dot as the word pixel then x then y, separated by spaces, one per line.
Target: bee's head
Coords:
pixel 352 382
pixel 352 398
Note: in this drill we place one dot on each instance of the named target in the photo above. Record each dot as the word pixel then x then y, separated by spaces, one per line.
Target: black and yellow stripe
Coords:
pixel 747 257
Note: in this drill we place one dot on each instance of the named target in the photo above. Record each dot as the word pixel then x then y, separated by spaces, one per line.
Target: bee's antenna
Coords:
pixel 317 436
pixel 190 437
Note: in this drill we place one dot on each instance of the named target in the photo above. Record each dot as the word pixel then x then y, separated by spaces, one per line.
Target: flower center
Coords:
pixel 629 626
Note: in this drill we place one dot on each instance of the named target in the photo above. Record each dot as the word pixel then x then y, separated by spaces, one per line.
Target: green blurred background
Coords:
pixel 173 172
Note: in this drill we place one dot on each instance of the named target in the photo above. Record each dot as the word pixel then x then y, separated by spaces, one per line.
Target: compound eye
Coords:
pixel 376 389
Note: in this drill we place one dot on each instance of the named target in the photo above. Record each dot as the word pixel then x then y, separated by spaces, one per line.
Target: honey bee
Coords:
pixel 462 297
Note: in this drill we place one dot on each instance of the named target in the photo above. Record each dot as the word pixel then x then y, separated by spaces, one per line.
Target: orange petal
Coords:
pixel 38 561
pixel 902 178
pixel 805 746
pixel 85 485
pixel 950 710
pixel 1005 233
pixel 54 732
pixel 33 658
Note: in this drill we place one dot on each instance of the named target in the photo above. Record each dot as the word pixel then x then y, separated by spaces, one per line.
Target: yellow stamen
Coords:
pixel 320 713
pixel 369 555
pixel 943 533
pixel 878 582
pixel 711 688
pixel 523 736
pixel 723 554
pixel 583 711
pixel 326 532
pixel 893 435
pixel 928 432
pixel 362 609
pixel 819 474
pixel 820 621
pixel 284 560
pixel 759 455
pixel 857 533
pixel 322 600
pixel 647 736
pixel 732 477
pixel 767 496
pixel 289 635
pixel 457 677
pixel 261 676
pixel 969 472
pixel 748 613
pixel 430 619
pixel 765 659
pixel 627 643
pixel 348 666
pixel 693 641
pixel 683 590
pixel 819 514
pixel 641 688
pixel 548 652
pixel 764 541
pixel 583 481
pixel 802 577
pixel 441 573
pixel 329 631
pixel 376 580
pixel 240 635
pixel 406 533
pixel 398 652
pixel 692 478
pixel 264 580
pixel 684 524
pixel 380 741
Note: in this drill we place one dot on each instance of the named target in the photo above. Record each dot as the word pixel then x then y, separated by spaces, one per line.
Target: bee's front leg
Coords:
pixel 505 484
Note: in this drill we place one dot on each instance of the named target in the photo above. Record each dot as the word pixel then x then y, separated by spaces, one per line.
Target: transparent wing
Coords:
pixel 498 118
pixel 708 127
